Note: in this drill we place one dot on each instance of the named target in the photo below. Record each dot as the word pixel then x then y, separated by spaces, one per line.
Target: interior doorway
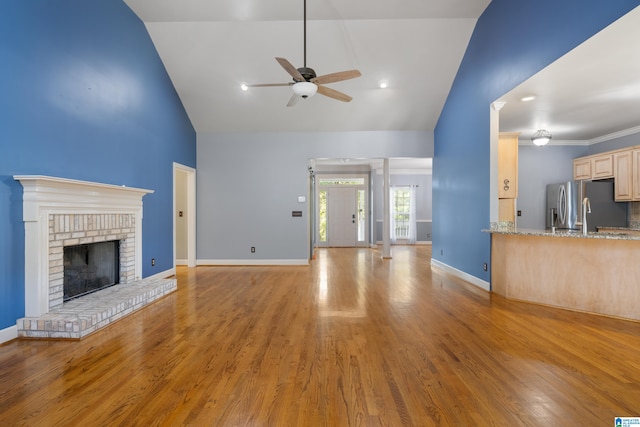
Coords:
pixel 184 215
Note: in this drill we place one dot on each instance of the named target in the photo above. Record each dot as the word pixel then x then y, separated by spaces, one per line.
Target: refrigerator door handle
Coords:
pixel 562 205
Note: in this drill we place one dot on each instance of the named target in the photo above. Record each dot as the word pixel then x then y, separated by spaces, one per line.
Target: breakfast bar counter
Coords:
pixel 597 273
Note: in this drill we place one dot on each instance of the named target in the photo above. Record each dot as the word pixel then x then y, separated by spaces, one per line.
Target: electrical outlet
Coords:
pixel 484 266
pixel 153 262
pixel 519 213
pixel 253 249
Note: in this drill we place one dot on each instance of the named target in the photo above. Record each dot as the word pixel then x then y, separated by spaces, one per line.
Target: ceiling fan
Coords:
pixel 305 82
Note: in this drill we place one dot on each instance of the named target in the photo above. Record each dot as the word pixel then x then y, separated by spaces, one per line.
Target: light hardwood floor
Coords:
pixel 350 340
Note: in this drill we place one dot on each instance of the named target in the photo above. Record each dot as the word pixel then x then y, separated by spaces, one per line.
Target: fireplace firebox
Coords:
pixel 90 267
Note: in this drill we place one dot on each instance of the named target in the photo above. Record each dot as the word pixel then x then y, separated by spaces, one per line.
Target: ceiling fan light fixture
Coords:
pixel 244 87
pixel 541 137
pixel 305 89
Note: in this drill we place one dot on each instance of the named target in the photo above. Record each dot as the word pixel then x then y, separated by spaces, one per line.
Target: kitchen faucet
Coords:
pixel 586 208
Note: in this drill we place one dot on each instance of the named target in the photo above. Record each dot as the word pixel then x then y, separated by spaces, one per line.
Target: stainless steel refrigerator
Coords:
pixel 564 205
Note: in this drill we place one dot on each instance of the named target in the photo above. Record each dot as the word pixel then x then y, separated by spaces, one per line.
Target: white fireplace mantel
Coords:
pixel 45 195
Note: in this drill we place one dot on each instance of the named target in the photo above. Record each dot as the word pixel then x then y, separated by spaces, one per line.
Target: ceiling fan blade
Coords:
pixel 336 77
pixel 332 93
pixel 270 84
pixel 290 69
pixel 293 100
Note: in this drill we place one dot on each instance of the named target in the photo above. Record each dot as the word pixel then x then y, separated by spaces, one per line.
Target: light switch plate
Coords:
pixel 302 199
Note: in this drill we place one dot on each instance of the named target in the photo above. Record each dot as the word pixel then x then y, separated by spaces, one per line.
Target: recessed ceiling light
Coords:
pixel 244 87
pixel 528 98
pixel 382 84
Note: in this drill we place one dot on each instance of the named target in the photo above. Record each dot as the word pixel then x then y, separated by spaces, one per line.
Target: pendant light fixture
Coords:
pixel 541 137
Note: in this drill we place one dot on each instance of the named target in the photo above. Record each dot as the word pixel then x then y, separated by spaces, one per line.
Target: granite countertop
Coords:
pixel 618 228
pixel 569 233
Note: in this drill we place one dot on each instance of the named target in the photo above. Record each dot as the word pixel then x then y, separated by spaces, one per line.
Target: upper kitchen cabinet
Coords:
pixel 582 168
pixel 623 171
pixel 508 165
pixel 602 166
pixel 622 165
pixel 635 184
pixel 599 166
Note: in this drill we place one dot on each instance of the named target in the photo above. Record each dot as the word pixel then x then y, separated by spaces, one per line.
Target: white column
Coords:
pixel 494 133
pixel 386 222
pixel 36 263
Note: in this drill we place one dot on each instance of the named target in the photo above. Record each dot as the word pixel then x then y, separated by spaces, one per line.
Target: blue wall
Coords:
pixel 505 49
pixel 84 96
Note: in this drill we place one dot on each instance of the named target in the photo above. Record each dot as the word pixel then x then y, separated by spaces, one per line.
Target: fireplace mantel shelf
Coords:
pixel 70 194
pixel 66 182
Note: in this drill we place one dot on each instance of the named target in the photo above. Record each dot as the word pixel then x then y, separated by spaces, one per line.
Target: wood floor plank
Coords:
pixel 351 340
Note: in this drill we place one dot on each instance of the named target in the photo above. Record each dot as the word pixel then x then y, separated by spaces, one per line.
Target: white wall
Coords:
pixel 181 221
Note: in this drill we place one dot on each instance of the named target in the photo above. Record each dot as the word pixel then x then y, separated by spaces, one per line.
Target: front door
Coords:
pixel 341 217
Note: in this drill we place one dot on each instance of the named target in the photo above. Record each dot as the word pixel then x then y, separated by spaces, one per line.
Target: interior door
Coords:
pixel 341 217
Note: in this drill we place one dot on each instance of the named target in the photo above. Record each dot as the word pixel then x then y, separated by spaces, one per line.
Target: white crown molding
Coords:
pixel 424 171
pixel 587 142
pixel 614 135
pixel 573 142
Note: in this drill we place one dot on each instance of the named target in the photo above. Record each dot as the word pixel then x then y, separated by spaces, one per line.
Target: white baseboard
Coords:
pixel 461 275
pixel 182 262
pixel 418 242
pixel 8 334
pixel 167 273
pixel 252 262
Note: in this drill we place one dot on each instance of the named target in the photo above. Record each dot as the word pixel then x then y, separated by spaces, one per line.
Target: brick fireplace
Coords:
pixel 61 212
pixel 67 230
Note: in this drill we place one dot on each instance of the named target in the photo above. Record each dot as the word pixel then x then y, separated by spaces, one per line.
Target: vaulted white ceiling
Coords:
pixel 210 47
pixel 589 95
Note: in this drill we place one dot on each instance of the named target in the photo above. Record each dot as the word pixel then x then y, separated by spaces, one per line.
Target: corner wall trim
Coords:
pixel 461 275
pixel 252 262
pixel 8 334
